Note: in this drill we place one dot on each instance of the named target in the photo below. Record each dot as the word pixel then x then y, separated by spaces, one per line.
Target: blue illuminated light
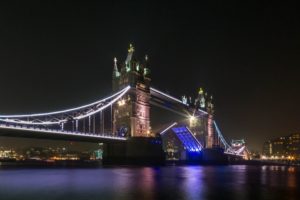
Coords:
pixel 189 142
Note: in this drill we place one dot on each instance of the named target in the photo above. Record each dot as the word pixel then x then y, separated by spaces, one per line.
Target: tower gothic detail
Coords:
pixel 131 115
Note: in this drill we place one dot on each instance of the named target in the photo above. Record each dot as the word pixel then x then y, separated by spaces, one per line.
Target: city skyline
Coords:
pixel 55 62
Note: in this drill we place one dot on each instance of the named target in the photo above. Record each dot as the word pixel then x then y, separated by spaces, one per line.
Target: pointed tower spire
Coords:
pixel 130 53
pixel 116 72
pixel 201 98
pixel 115 64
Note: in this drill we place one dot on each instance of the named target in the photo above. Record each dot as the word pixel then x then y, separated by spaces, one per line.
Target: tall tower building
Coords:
pixel 131 115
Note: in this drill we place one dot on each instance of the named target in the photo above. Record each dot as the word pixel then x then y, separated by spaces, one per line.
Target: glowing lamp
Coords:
pixel 192 118
pixel 121 102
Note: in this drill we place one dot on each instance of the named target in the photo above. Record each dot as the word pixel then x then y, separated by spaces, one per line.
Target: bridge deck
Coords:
pixel 18 131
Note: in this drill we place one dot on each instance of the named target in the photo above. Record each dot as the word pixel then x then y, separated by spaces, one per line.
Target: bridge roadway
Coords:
pixel 43 133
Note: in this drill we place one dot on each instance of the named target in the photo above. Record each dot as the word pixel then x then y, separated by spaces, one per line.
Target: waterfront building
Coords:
pixel 279 147
pixel 267 148
pixel 8 154
pixel 286 147
pixel 293 145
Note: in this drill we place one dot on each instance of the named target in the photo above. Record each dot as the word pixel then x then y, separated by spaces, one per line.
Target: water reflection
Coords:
pixel 193 185
pixel 172 182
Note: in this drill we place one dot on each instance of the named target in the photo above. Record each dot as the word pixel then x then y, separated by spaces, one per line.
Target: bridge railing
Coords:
pixel 64 132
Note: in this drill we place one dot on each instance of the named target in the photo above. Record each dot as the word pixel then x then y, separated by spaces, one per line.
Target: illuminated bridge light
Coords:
pixel 168 128
pixel 72 109
pixel 52 131
pixel 188 140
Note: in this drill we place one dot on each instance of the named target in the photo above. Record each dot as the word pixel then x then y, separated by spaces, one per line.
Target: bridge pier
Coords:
pixel 135 150
pixel 214 156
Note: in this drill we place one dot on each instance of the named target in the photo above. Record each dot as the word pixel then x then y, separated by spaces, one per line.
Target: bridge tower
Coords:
pixel 131 115
pixel 203 128
pixel 211 139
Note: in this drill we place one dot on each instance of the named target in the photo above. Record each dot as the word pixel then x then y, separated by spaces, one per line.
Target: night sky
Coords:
pixel 59 54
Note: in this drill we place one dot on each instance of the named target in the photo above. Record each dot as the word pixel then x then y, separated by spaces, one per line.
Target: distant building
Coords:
pixel 293 145
pixel 283 147
pixel 8 154
pixel 267 148
pixel 279 147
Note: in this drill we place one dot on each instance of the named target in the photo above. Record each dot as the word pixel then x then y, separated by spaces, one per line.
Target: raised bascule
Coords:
pixel 123 122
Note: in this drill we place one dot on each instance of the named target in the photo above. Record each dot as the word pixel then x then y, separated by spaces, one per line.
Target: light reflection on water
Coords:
pixel 170 182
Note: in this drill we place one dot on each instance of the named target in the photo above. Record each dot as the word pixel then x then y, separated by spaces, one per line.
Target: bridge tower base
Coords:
pixel 134 151
pixel 214 156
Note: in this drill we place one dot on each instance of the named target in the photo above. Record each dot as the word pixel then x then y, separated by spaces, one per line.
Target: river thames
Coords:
pixel 169 182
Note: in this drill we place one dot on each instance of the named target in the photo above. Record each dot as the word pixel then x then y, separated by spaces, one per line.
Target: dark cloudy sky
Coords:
pixel 58 54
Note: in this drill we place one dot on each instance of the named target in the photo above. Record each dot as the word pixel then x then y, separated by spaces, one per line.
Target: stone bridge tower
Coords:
pixel 131 115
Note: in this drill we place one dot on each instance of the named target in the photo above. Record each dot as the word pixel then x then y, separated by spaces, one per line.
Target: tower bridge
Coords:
pixel 122 121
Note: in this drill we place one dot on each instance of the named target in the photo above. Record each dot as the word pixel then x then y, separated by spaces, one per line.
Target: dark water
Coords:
pixel 171 182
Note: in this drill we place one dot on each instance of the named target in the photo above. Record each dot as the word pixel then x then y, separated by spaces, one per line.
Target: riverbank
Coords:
pixel 266 162
pixel 49 163
pixel 98 163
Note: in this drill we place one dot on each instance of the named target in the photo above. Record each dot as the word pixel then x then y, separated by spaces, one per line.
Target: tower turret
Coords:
pixel 116 72
pixel 201 98
pixel 210 105
pixel 129 55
